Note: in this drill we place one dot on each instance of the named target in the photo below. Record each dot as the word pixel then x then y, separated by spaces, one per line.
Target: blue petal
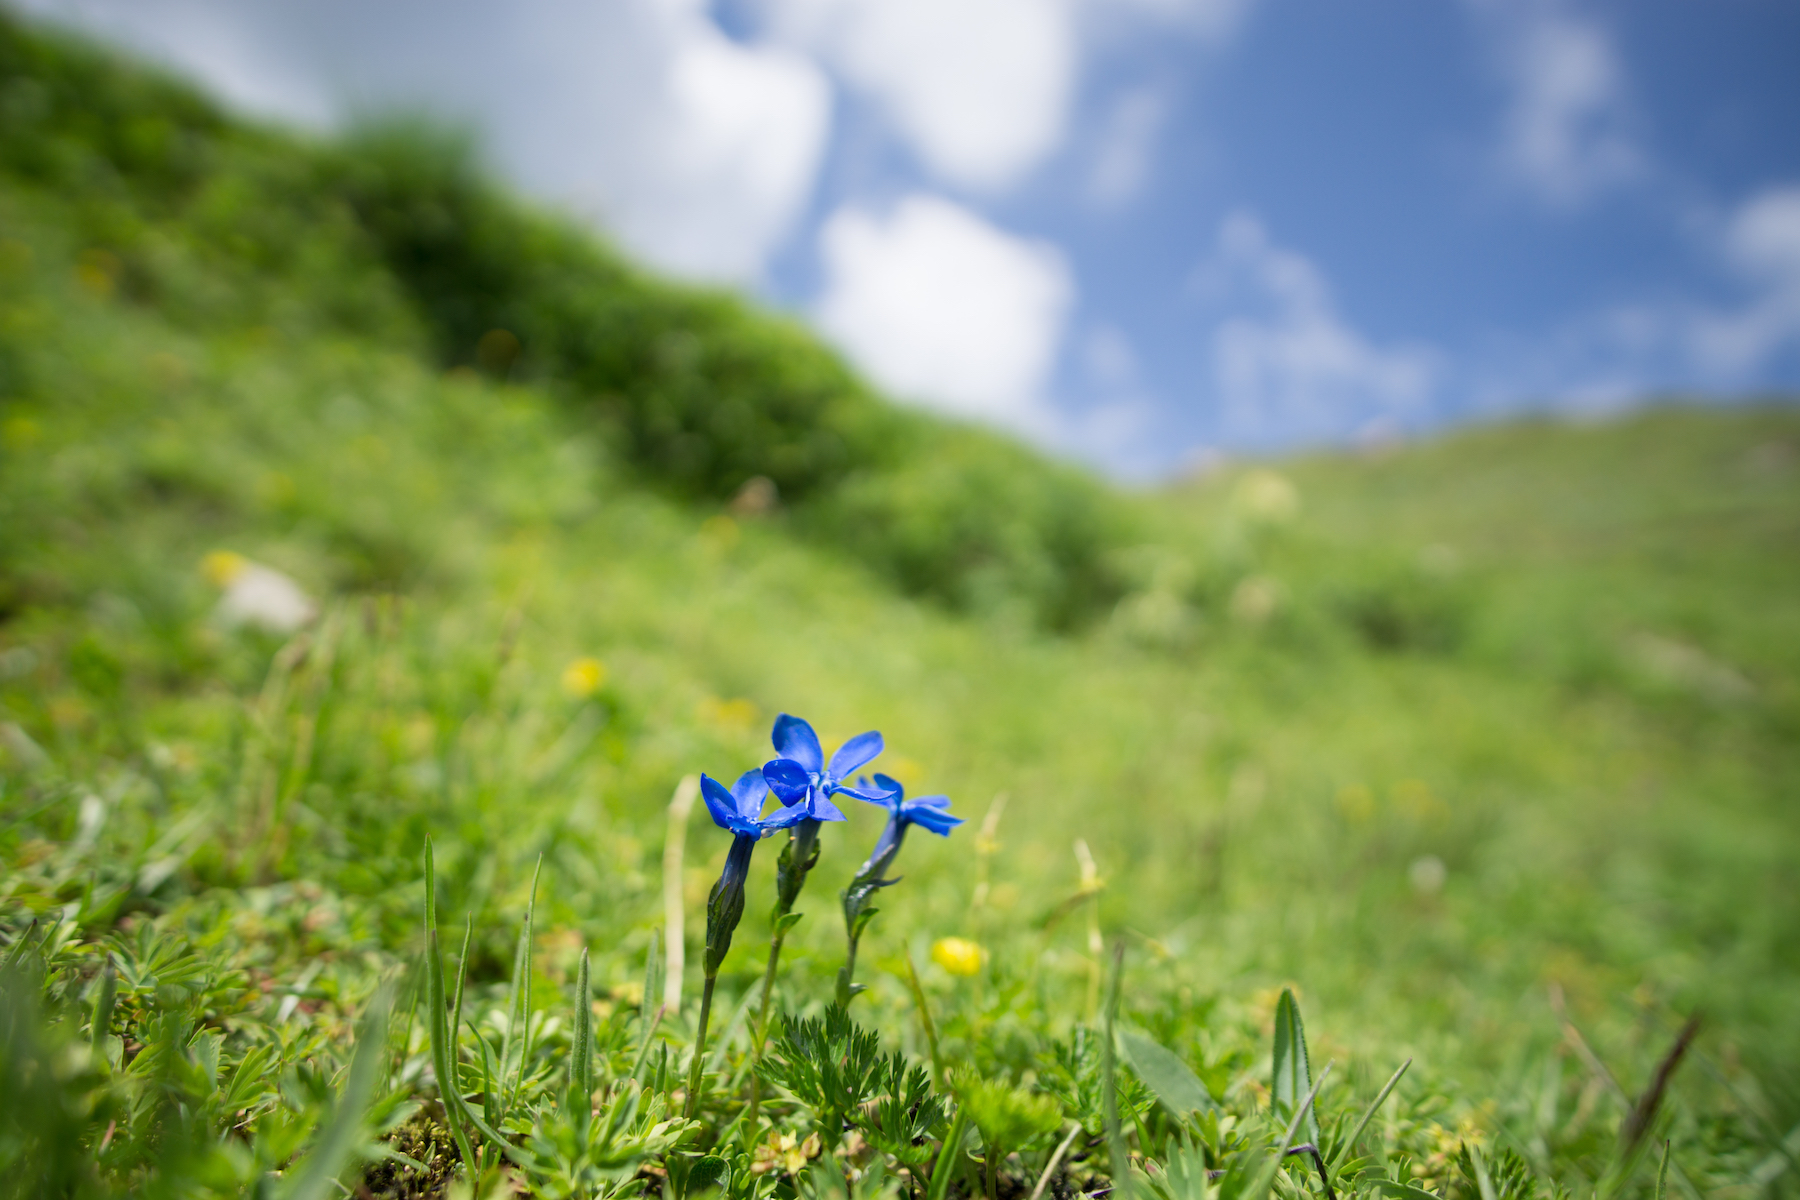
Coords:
pixel 930 816
pixel 749 792
pixel 864 790
pixel 789 780
pixel 795 739
pixel 782 818
pixel 854 753
pixel 873 796
pixel 892 785
pixel 821 809
pixel 719 802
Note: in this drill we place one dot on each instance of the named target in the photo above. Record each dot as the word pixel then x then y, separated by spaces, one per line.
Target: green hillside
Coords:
pixel 1474 742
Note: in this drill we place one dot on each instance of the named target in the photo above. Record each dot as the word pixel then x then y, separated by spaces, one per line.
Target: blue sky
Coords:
pixel 1140 232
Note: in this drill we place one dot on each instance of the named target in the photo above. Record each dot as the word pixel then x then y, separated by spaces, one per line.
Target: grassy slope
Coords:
pixel 1560 660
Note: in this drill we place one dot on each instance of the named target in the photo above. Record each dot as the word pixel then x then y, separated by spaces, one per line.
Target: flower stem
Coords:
pixel 697 1069
pixel 846 980
pixel 762 1021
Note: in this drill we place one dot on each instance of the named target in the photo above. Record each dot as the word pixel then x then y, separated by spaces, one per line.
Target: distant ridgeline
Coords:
pixel 394 234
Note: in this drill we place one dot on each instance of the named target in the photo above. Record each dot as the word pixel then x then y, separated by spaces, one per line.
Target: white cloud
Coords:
pixel 941 307
pixel 1126 146
pixel 1566 135
pixel 1285 364
pixel 979 88
pixel 1762 243
pixel 698 151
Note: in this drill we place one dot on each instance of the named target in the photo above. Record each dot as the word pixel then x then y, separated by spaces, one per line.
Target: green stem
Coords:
pixel 846 980
pixel 699 1066
pixel 762 1021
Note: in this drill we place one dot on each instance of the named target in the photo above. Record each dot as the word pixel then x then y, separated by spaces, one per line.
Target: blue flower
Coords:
pixel 931 812
pixel 801 774
pixel 740 809
pixel 928 812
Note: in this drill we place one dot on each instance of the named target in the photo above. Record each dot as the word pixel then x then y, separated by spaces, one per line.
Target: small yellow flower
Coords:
pixel 785 1153
pixel 959 956
pixel 223 566
pixel 583 677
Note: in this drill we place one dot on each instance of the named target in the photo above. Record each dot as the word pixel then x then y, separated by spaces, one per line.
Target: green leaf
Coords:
pixel 312 1178
pixel 1293 1071
pixel 581 1049
pixel 786 921
pixel 1348 1147
pixel 1164 1073
pixel 1404 1191
pixel 443 1040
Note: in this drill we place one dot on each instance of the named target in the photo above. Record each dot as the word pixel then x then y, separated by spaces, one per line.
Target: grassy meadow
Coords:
pixel 1485 747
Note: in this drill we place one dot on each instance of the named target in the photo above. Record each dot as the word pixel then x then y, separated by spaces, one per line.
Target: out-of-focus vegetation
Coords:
pixel 395 235
pixel 1437 733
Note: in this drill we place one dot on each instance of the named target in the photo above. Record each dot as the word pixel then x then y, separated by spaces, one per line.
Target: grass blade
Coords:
pixel 104 1000
pixel 674 899
pixel 1349 1146
pixel 581 1052
pixel 1109 1082
pixel 518 1025
pixel 1292 1070
pixel 443 1045
pixel 1266 1178
pixel 319 1171
pixel 946 1159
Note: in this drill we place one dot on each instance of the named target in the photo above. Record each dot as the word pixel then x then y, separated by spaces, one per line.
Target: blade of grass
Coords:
pixel 462 973
pixel 674 915
pixel 518 1025
pixel 443 1060
pixel 1109 1081
pixel 946 1159
pixel 1266 1178
pixel 1292 1074
pixel 918 995
pixel 1055 1161
pixel 1643 1114
pixel 581 1050
pixel 651 1019
pixel 1349 1146
pixel 320 1169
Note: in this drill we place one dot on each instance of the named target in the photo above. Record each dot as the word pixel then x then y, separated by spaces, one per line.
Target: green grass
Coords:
pixel 1431 735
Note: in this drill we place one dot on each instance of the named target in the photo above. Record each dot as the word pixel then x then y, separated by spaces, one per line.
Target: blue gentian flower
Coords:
pixel 739 811
pixel 931 812
pixel 801 774
pixel 928 812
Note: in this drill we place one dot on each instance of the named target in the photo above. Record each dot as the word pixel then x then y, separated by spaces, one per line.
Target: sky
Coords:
pixel 1140 233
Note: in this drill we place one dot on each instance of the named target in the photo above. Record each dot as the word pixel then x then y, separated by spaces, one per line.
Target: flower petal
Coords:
pixel 865 791
pixel 854 753
pixel 789 780
pixel 782 818
pixel 795 739
pixel 931 816
pixel 889 783
pixel 749 792
pixel 872 795
pixel 719 802
pixel 821 809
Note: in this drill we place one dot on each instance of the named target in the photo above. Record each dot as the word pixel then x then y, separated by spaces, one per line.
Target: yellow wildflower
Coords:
pixel 583 677
pixel 959 956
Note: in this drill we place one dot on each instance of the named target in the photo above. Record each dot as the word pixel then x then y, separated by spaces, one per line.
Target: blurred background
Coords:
pixel 1140 232
pixel 1331 466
